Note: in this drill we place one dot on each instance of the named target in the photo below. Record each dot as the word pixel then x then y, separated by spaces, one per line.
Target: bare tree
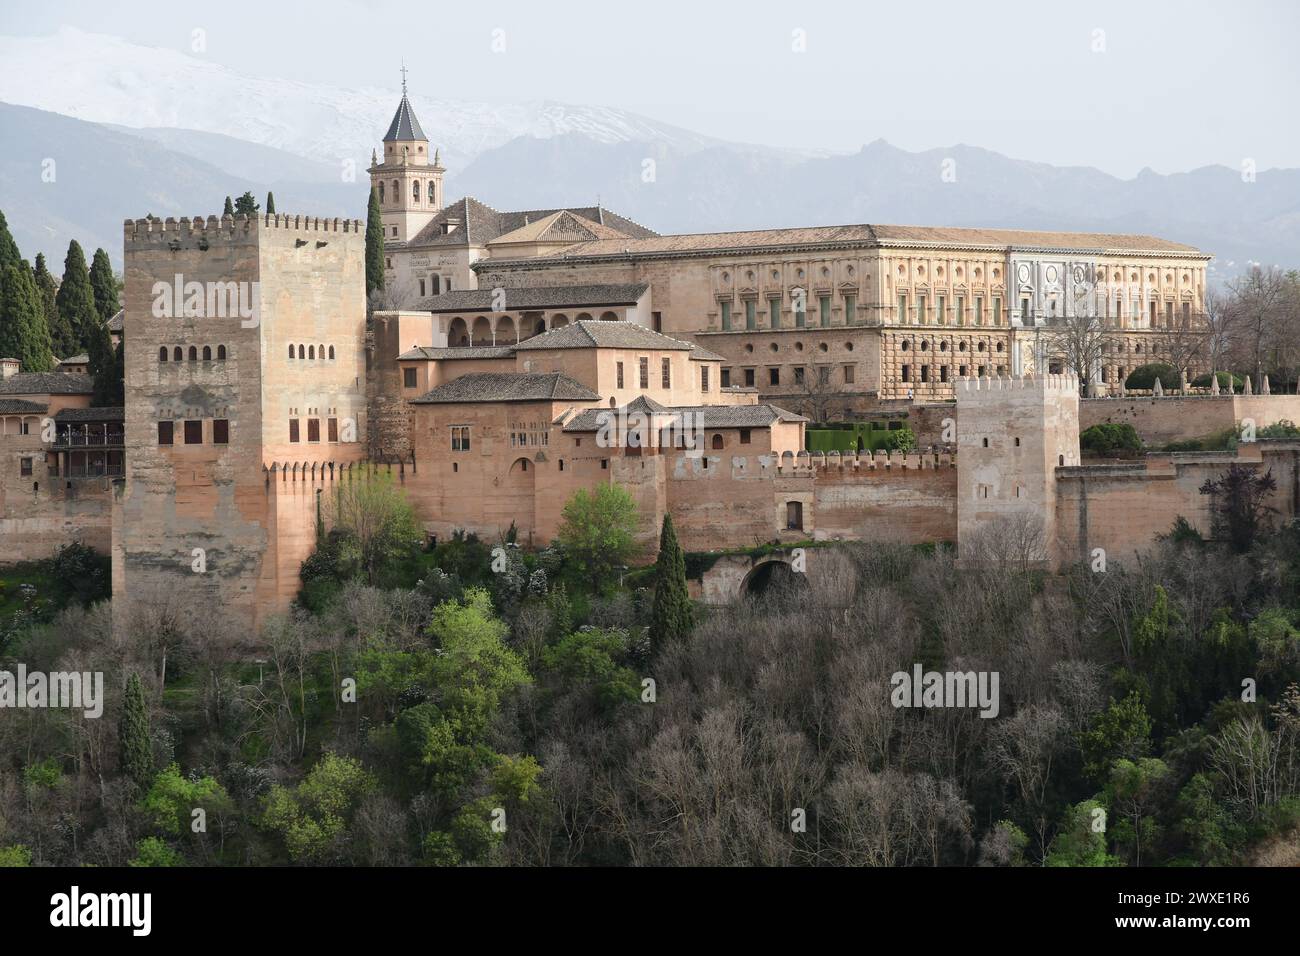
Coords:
pixel 1260 300
pixel 1220 323
pixel 817 391
pixel 1081 341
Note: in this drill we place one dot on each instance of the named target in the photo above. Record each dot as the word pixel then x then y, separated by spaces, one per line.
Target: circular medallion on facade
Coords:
pixel 1023 272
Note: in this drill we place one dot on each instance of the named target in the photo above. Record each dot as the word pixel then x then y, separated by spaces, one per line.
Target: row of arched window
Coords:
pixel 195 354
pixel 309 352
pixel 415 191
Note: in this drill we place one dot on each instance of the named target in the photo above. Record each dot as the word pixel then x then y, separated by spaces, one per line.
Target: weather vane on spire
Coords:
pixel 403 76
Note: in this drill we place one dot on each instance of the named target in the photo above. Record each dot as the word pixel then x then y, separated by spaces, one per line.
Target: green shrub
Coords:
pixel 1225 379
pixel 1283 428
pixel 1110 439
pixel 1144 376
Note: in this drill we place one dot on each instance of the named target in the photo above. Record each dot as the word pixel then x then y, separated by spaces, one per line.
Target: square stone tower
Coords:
pixel 245 396
pixel 1012 435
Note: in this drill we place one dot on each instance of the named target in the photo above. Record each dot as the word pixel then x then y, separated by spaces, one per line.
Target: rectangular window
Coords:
pixel 850 309
pixel 726 379
pixel 823 374
pixel 194 432
pixel 165 433
pixel 749 378
pixel 333 426
pixel 902 307
pixel 1187 314
pixel 774 312
pixel 619 369
pixel 751 314
pixel 800 310
pixel 848 374
pixel 25 467
pixel 293 430
pixel 907 373
pixel 313 429
pixel 774 376
pixel 1024 312
pixel 421 287
pixel 704 378
pixel 824 304
pixel 408 378
pixel 643 366
pixel 997 310
pixel 460 438
pixel 920 310
pixel 943 373
pixel 666 370
pixel 959 315
pixel 925 373
pixel 798 376
pixel 221 431
pixel 979 310
pixel 726 315
pixel 657 318
pixel 940 308
pixel 744 436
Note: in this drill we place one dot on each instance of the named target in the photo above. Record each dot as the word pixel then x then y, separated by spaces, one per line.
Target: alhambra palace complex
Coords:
pixel 543 351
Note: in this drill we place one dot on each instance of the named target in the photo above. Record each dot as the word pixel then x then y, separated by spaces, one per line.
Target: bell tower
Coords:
pixel 408 182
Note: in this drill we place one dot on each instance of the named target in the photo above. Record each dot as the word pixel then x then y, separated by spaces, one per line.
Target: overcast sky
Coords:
pixel 1173 85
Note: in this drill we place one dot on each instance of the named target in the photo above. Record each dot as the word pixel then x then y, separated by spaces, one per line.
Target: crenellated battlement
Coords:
pixel 232 227
pixel 1063 384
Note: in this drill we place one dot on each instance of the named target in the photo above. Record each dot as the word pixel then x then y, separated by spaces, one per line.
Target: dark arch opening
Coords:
pixel 772 579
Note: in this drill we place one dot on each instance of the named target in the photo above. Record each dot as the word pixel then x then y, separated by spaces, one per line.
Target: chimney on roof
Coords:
pixel 9 367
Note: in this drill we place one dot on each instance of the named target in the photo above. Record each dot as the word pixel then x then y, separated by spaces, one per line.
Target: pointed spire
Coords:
pixel 405 127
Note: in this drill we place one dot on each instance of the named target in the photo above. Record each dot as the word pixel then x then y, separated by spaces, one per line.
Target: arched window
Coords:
pixel 311 351
pixel 302 352
pixel 717 441
pixel 381 192
pixel 207 353
pixel 221 353
pixel 162 354
pixel 321 352
pixel 194 354
pixel 331 353
pixel 177 354
pixel 429 193
pixel 291 351
pixel 415 190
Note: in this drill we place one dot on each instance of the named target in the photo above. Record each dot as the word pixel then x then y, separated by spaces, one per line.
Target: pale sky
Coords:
pixel 1178 85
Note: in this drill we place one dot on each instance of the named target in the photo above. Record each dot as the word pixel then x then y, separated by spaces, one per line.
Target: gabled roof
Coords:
pixel 480 224
pixel 427 353
pixel 509 387
pixel 597 334
pixel 709 416
pixel 871 235
pixel 404 126
pixel 539 297
pixel 105 414
pixel 47 383
pixel 116 322
pixel 20 406
pixel 562 226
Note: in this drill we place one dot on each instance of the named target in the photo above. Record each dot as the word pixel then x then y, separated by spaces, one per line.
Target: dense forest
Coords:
pixel 477 703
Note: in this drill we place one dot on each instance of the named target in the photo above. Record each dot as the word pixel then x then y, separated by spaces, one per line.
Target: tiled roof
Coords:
pixel 710 416
pixel 538 297
pixel 509 387
pixel 105 414
pixel 871 235
pixel 20 406
pixel 466 352
pixel 46 383
pixel 116 322
pixel 479 223
pixel 562 226
pixel 701 354
pixel 404 126
pixel 593 333
pixel 82 359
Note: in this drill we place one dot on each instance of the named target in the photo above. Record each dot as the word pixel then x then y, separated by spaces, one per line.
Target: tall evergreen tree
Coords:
pixel 76 299
pixel 673 615
pixel 24 334
pixel 246 205
pixel 106 369
pixel 270 202
pixel 62 340
pixel 104 285
pixel 9 254
pixel 374 244
pixel 229 209
pixel 133 736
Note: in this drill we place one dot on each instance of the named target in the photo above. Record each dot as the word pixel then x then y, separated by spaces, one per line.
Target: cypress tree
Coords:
pixel 9 255
pixel 673 615
pixel 76 299
pixel 374 244
pixel 246 205
pixel 230 208
pixel 133 736
pixel 270 202
pixel 23 332
pixel 62 340
pixel 106 369
pixel 104 286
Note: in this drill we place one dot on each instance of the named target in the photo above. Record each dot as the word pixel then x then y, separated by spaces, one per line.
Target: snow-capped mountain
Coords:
pixel 104 79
